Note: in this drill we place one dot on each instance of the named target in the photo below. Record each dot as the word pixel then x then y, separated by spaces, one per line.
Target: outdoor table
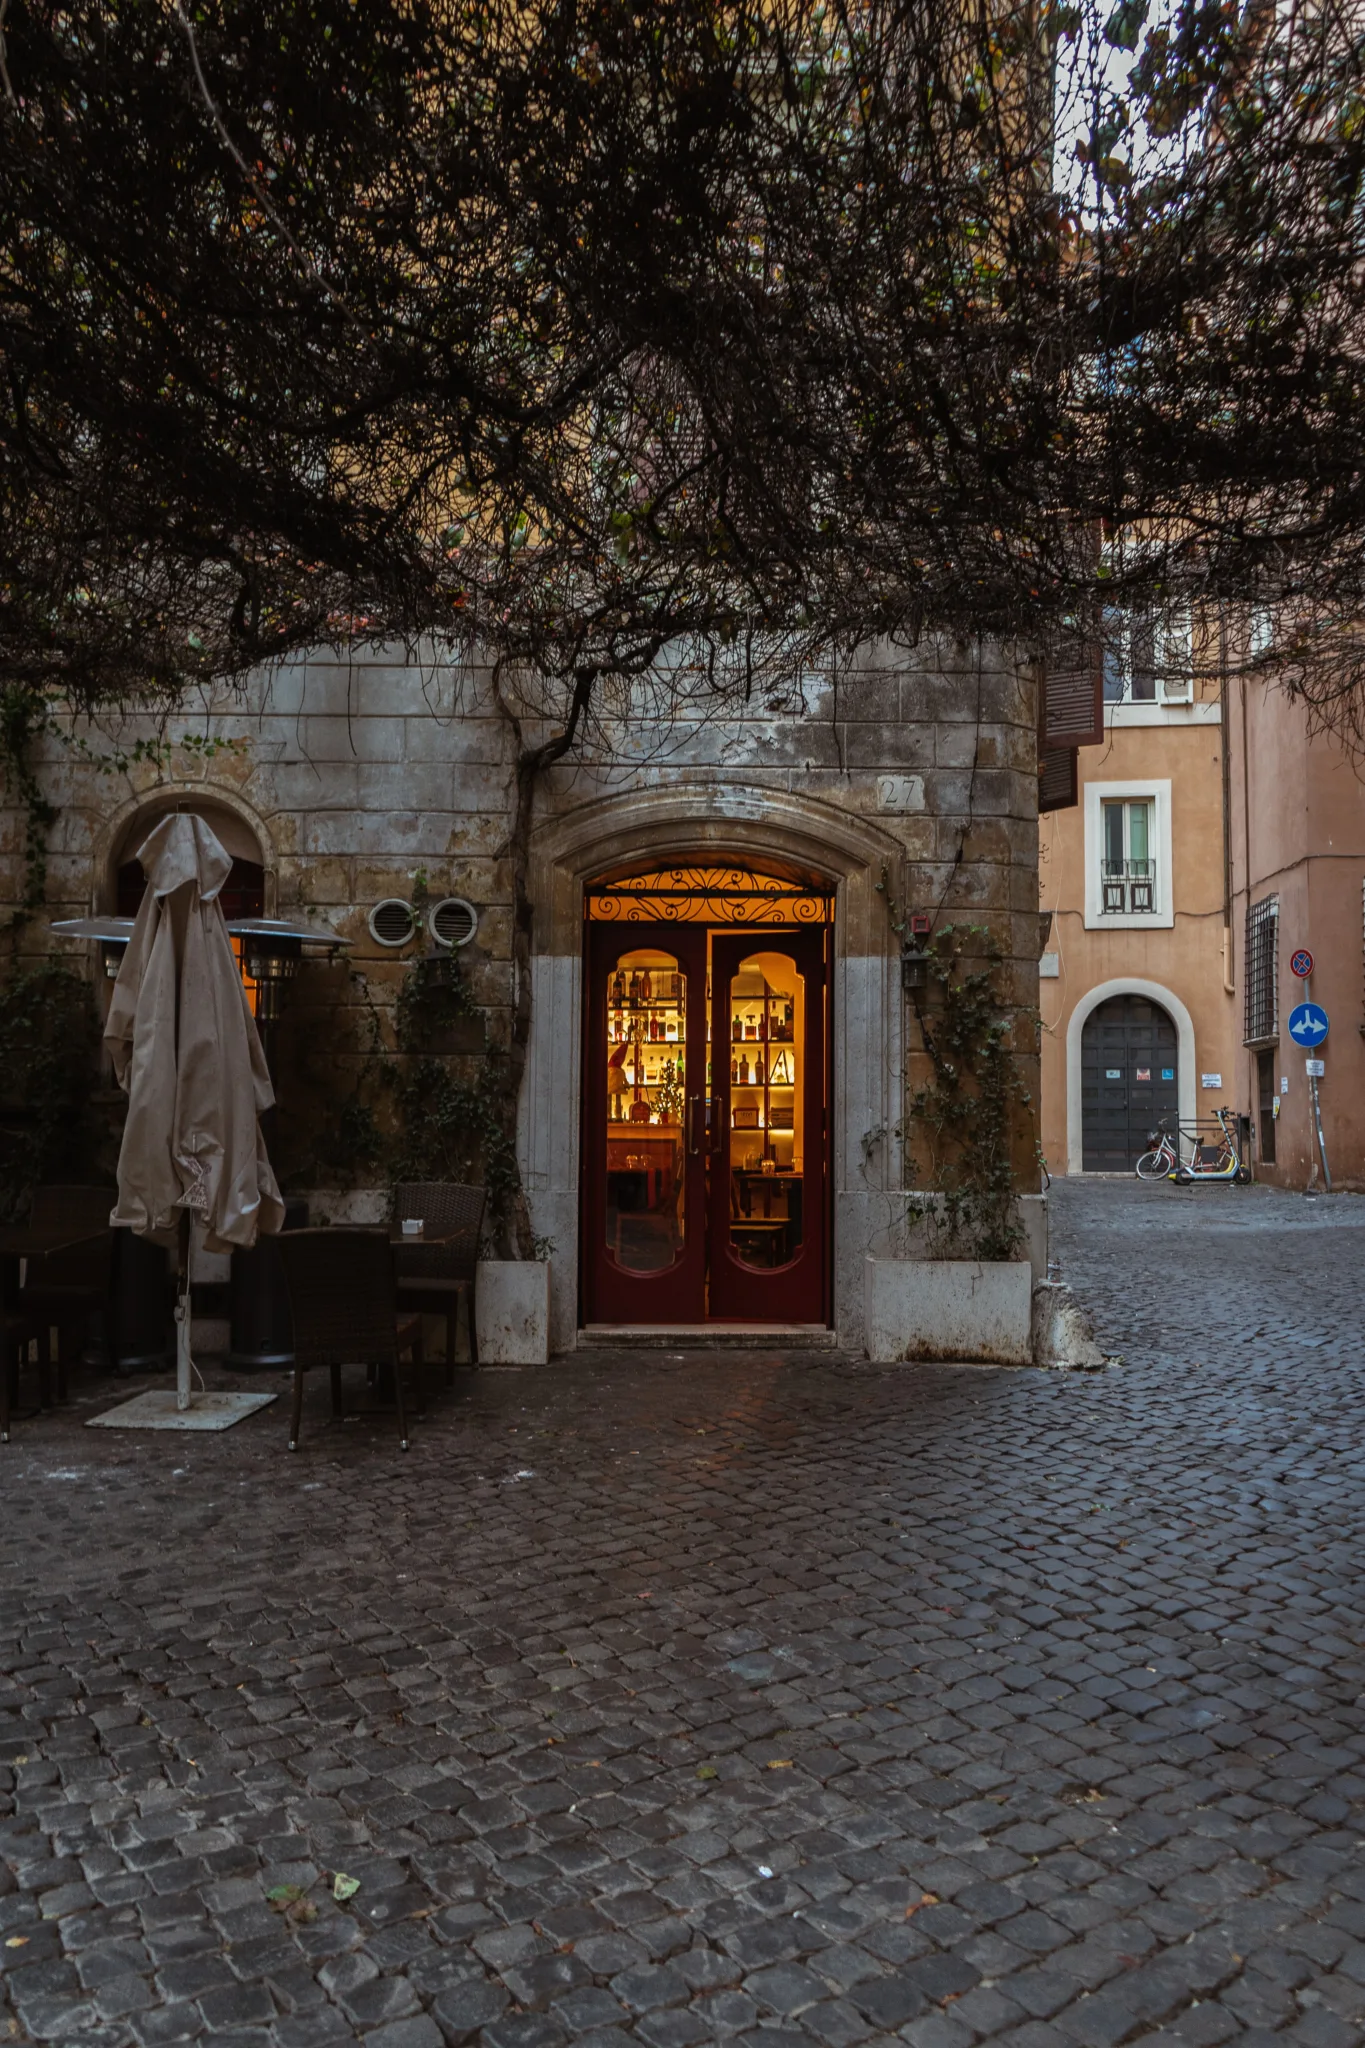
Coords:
pixel 20 1241
pixel 428 1241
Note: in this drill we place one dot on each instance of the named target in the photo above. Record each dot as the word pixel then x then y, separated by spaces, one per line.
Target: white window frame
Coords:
pixel 1173 662
pixel 1158 794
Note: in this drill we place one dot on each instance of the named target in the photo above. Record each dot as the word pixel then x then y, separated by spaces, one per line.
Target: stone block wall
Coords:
pixel 361 775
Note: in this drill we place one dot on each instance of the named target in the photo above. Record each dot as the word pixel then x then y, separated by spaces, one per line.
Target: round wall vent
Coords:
pixel 392 922
pixel 452 921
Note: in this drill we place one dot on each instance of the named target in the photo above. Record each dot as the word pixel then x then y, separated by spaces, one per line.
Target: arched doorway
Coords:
pixel 1130 1077
pixel 706 1120
pixel 243 893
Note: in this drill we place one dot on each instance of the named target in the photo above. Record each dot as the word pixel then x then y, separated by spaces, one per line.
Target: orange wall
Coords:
pixel 1298 831
pixel 1186 958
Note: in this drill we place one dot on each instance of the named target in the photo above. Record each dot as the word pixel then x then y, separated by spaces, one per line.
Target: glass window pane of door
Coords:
pixel 1113 838
pixel 1138 835
pixel 646 1052
pixel 767 1111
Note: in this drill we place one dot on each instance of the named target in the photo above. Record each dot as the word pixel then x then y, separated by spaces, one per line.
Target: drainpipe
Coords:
pixel 1229 987
pixel 1226 783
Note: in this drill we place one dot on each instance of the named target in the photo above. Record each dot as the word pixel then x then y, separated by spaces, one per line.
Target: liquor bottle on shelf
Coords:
pixel 758 1070
pixel 645 987
pixel 734 1071
pixel 736 1028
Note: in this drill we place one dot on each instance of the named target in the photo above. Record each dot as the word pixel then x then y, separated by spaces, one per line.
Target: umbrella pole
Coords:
pixel 182 1319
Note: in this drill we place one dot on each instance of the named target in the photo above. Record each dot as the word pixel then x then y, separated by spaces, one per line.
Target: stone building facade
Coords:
pixel 1296 884
pixel 1135 989
pixel 364 779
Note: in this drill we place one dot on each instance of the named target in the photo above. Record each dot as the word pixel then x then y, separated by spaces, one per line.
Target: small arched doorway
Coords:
pixel 242 894
pixel 1130 1077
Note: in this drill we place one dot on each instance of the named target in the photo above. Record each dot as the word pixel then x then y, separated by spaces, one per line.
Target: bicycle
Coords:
pixel 1162 1160
pixel 1209 1159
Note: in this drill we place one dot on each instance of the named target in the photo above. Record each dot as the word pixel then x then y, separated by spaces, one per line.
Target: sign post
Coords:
pixel 1308 1027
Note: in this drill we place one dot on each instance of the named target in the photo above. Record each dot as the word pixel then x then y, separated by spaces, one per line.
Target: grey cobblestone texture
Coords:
pixel 742 1698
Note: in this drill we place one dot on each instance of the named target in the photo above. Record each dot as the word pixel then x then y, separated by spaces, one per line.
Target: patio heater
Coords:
pixel 273 950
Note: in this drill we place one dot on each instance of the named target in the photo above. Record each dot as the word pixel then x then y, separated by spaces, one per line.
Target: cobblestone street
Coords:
pixel 673 1700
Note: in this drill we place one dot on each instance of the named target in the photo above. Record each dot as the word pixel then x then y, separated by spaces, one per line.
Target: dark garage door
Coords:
pixel 1129 1078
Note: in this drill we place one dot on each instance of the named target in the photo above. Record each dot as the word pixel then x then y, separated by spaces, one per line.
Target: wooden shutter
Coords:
pixel 1056 779
pixel 1071 700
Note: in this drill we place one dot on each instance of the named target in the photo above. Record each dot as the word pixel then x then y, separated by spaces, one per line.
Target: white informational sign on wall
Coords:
pixel 1315 1069
pixel 1210 1080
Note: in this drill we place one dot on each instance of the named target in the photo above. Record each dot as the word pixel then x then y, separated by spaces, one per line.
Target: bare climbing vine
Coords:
pixel 964 1117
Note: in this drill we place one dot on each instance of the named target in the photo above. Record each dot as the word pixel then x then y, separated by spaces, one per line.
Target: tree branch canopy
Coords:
pixel 573 329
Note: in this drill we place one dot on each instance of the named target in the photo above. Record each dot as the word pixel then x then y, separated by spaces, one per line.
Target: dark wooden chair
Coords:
pixel 345 1312
pixel 63 1289
pixel 432 1277
pixel 17 1333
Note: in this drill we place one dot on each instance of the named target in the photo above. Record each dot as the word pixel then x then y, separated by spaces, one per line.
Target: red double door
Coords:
pixel 706 1126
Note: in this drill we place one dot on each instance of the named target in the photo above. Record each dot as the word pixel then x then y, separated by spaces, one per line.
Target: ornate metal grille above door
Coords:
pixel 709 895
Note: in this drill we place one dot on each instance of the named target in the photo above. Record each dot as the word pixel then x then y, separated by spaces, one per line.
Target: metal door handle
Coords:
pixel 692 1102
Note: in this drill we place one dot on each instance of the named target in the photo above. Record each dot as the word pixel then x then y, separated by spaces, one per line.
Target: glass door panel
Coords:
pixel 644 1137
pixel 768 1128
pixel 646 1205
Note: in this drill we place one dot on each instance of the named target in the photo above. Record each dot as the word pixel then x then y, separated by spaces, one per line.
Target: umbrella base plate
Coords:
pixel 156 1409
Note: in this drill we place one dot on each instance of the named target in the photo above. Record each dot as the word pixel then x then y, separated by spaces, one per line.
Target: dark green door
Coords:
pixel 1129 1079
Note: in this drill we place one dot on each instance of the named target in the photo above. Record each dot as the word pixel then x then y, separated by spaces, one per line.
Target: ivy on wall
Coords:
pixel 962 1122
pixel 49 1035
pixel 426 1105
pixel 23 716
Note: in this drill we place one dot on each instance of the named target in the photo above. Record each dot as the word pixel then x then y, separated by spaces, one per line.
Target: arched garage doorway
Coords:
pixel 1130 1078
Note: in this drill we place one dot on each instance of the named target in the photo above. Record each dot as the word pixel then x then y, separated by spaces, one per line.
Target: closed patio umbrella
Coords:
pixel 185 1048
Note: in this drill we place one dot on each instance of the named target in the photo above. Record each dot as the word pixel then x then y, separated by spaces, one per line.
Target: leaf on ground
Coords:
pixel 282 1896
pixel 707 1771
pixel 17 1941
pixel 924 1899
pixel 779 1763
pixel 344 1887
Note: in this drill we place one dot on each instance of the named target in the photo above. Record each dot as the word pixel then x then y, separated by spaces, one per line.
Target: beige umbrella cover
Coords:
pixel 185 1050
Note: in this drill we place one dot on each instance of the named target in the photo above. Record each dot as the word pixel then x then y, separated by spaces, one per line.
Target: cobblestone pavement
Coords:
pixel 777 1700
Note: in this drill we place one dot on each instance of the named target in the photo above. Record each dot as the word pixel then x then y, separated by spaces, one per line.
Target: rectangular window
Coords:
pixel 1128 874
pixel 1262 1018
pixel 1148 659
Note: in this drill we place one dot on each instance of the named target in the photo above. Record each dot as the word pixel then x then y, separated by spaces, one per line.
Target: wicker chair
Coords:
pixel 432 1277
pixel 341 1291
pixel 62 1289
pixel 16 1334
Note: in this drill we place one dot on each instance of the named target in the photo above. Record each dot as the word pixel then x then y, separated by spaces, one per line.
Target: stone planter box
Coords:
pixel 925 1309
pixel 512 1311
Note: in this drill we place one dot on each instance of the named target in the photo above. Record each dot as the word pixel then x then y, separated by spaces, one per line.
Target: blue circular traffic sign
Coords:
pixel 1301 963
pixel 1308 1024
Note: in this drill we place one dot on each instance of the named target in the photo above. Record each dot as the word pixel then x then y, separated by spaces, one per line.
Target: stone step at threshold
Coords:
pixel 706 1337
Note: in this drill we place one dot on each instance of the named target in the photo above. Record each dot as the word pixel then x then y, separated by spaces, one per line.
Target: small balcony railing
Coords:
pixel 1129 888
